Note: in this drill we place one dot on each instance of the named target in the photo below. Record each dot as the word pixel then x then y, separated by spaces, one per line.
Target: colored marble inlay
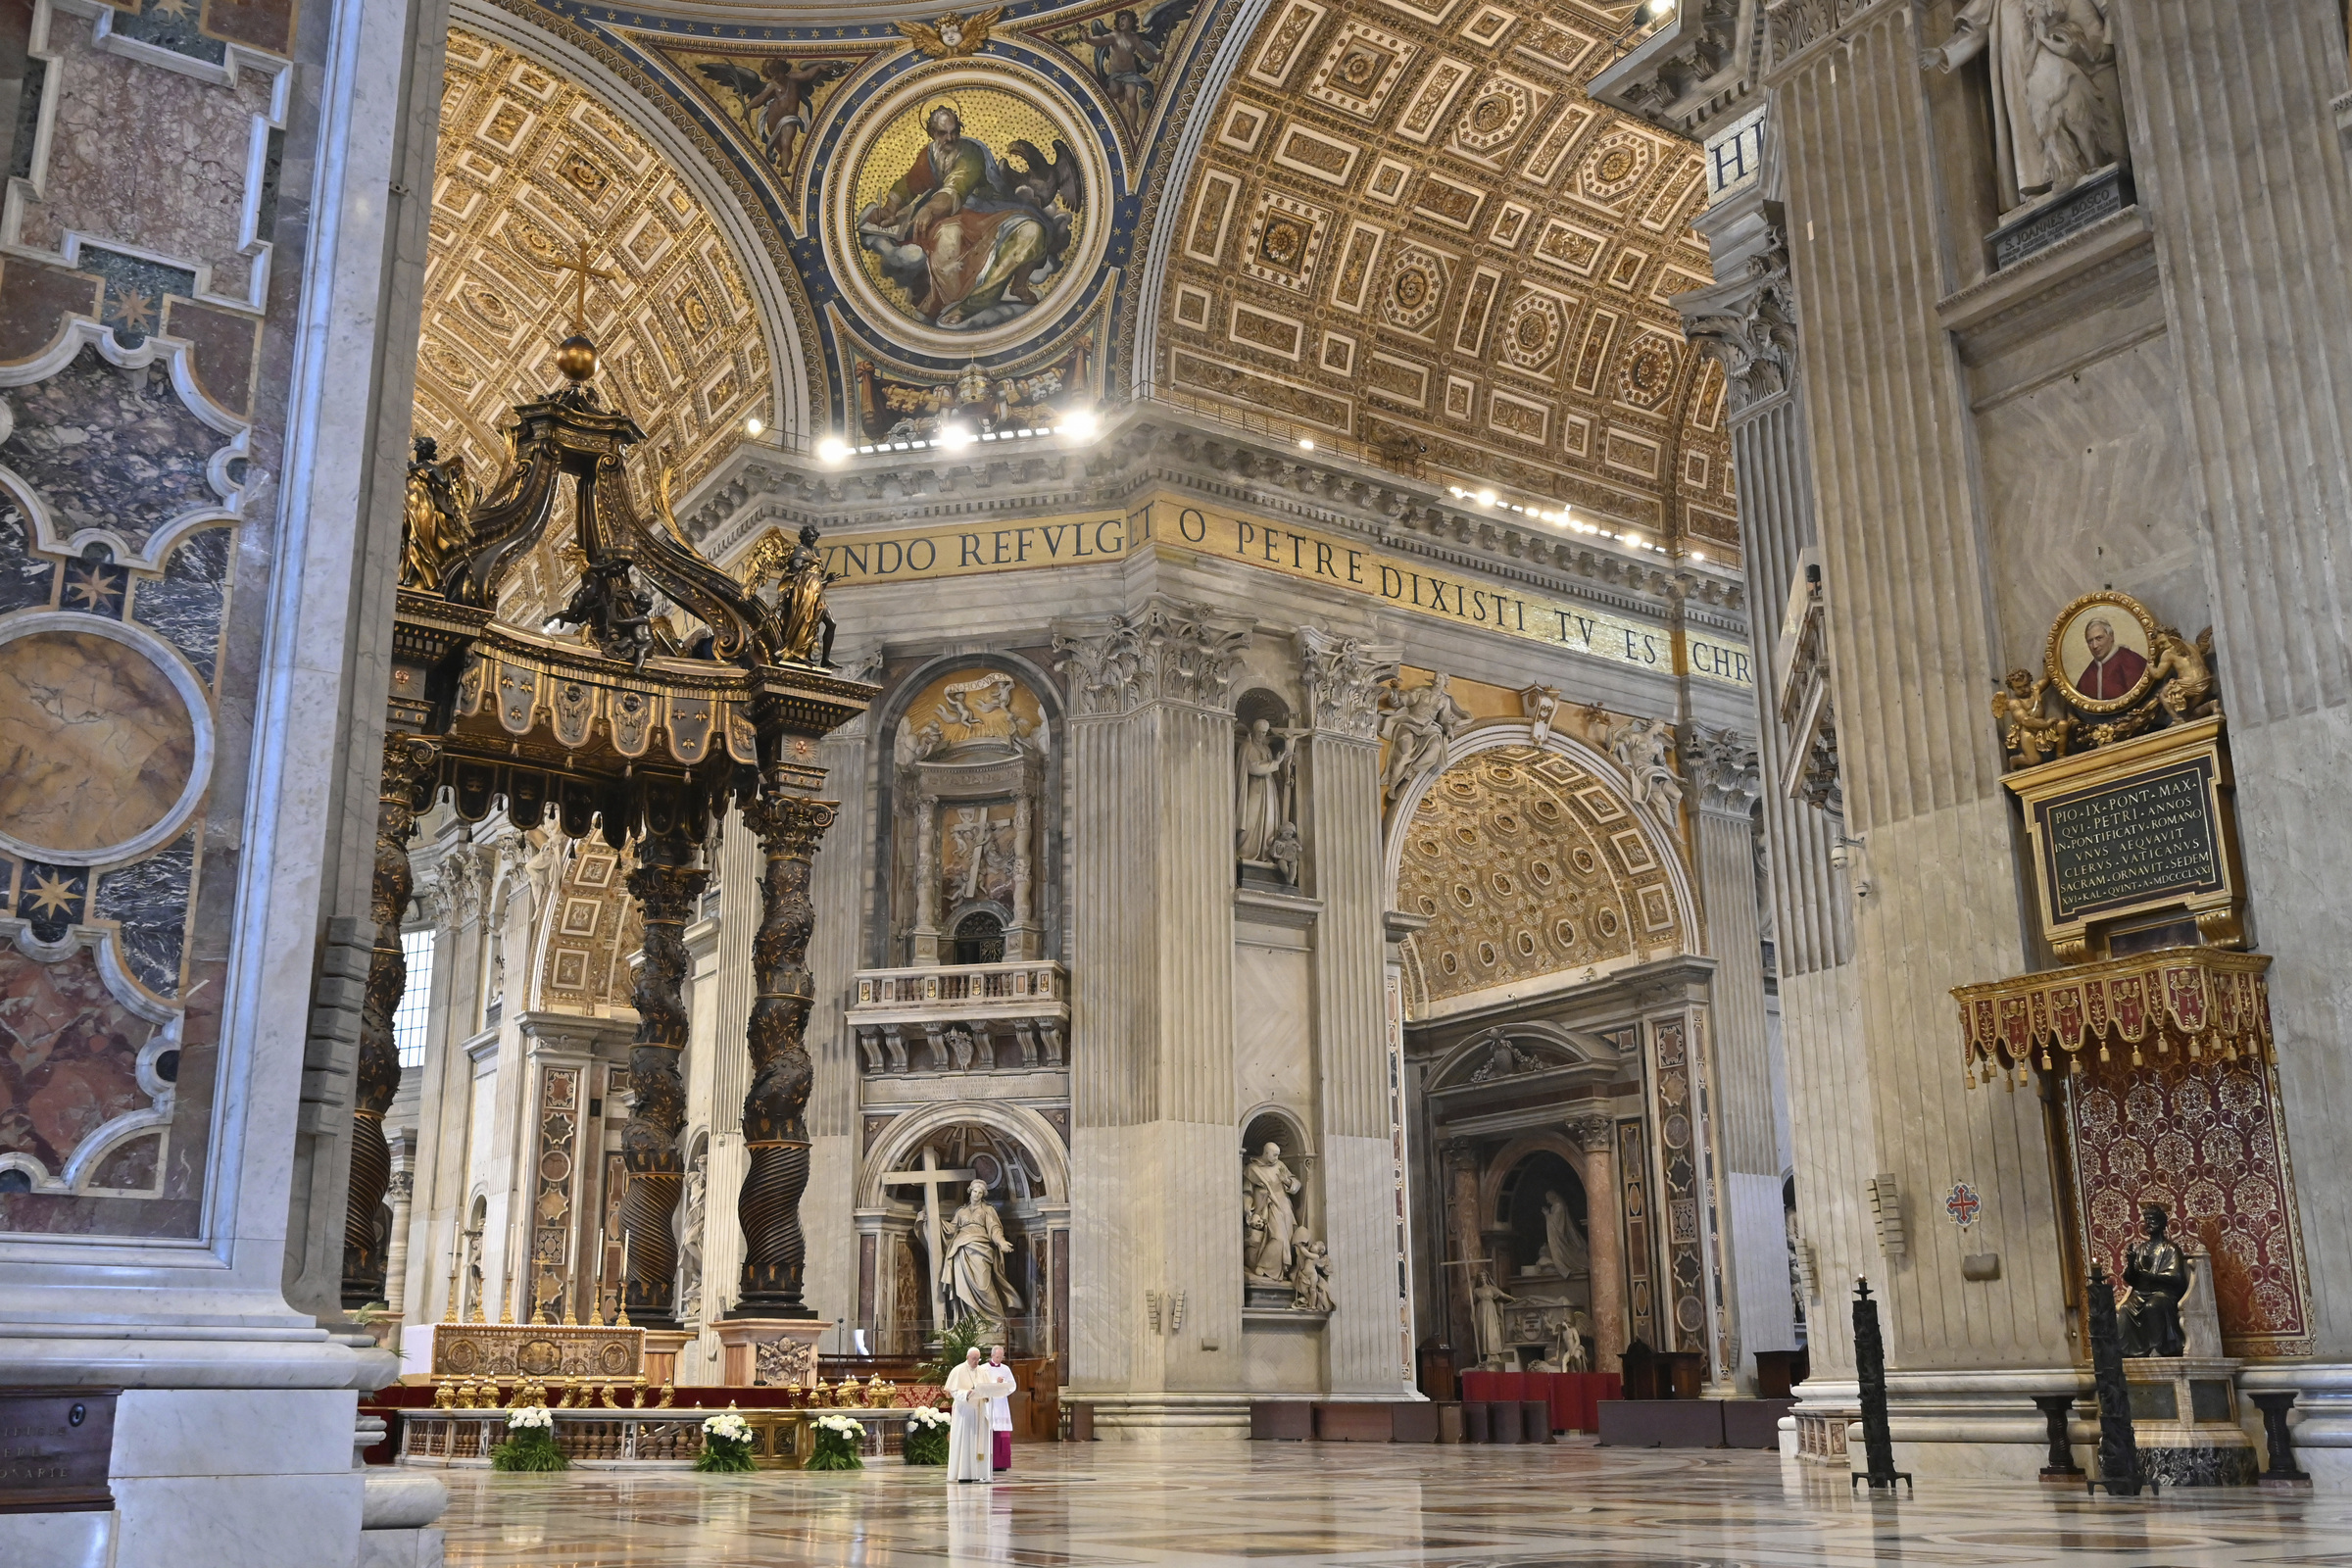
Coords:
pixel 136 290
pixel 109 448
pixel 149 900
pixel 26 579
pixel 171 24
pixel 69 1056
pixel 188 605
pixel 98 744
pixel 2205 1139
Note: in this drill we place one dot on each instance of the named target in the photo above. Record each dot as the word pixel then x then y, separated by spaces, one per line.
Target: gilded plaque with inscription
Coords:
pixel 2131 832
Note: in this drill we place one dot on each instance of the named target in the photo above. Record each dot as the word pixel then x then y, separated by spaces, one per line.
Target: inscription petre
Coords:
pixel 2153 836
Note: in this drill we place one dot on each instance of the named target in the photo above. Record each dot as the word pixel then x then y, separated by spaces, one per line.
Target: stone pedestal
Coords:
pixel 788 1345
pixel 2185 1420
pixel 661 1348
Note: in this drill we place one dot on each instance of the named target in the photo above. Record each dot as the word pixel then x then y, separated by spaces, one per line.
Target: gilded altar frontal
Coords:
pixel 853 765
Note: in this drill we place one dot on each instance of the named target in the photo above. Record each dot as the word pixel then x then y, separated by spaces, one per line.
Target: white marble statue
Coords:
pixel 1417 724
pixel 1262 766
pixel 2054 89
pixel 692 1206
pixel 1269 1217
pixel 1310 1273
pixel 971 1266
pixel 1641 747
pixel 1564 1250
pixel 1564 1346
pixel 1485 1307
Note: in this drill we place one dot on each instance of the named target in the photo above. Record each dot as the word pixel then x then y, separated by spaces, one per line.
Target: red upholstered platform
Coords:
pixel 1574 1396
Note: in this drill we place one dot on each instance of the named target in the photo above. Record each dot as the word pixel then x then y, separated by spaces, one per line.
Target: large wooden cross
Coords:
pixel 579 298
pixel 931 1179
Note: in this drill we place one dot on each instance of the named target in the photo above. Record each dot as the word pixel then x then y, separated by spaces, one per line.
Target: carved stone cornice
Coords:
pixel 1343 677
pixel 1692 72
pixel 1724 766
pixel 1748 326
pixel 1168 651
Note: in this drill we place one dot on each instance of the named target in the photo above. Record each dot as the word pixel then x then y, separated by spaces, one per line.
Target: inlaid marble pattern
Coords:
pixel 1290 1505
pixel 110 448
pixel 99 745
pixel 68 1056
pixel 26 579
pixel 186 606
pixel 150 899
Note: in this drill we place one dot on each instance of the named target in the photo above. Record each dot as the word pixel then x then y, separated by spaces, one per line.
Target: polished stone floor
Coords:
pixel 1290 1505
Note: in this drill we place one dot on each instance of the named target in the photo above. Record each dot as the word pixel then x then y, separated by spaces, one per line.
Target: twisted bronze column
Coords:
pixel 775 1124
pixel 408 761
pixel 665 884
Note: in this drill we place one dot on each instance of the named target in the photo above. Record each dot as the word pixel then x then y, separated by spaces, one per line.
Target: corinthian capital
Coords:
pixel 1595 1135
pixel 1344 678
pixel 1724 766
pixel 1168 650
pixel 1749 326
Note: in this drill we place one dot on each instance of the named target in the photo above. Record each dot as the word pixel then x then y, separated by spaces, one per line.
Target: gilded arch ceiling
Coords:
pixel 531 162
pixel 1526 866
pixel 1408 226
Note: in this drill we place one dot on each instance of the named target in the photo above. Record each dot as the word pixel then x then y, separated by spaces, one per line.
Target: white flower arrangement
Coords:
pixel 531 1418
pixel 842 1426
pixel 728 1425
pixel 926 1416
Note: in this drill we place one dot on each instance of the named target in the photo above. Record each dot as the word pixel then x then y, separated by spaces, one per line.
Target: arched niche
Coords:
pixel 969 805
pixel 1018 1153
pixel 1529 861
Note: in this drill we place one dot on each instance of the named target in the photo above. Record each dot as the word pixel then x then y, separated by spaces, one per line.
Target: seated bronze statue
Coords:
pixel 2149 1321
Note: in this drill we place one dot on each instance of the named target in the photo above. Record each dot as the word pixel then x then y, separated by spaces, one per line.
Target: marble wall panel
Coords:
pixel 149 902
pixel 1272 1028
pixel 178 189
pixel 110 448
pixel 35 301
pixel 26 581
pixel 189 603
pixel 68 1064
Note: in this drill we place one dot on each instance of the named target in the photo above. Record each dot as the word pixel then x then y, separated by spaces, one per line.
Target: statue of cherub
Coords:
pixel 2185 675
pixel 2030 735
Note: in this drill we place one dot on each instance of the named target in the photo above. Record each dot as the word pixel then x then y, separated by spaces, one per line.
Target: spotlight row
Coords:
pixel 1079 425
pixel 1562 517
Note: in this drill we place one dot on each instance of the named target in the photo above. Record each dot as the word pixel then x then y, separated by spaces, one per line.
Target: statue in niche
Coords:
pixel 2054 89
pixel 1417 724
pixel 1564 1250
pixel 1287 852
pixel 2150 1318
pixel 691 1210
pixel 1263 768
pixel 1639 745
pixel 1269 1220
pixel 1310 1273
pixel 1564 1344
pixel 1487 1300
pixel 971 1264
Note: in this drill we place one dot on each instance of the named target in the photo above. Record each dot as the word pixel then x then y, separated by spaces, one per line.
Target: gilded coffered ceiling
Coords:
pixel 1527 865
pixel 1409 227
pixel 531 164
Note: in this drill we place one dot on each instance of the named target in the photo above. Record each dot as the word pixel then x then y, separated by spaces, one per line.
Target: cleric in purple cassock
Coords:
pixel 2112 672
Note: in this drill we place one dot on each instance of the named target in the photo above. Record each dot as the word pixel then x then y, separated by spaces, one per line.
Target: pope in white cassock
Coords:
pixel 976 1386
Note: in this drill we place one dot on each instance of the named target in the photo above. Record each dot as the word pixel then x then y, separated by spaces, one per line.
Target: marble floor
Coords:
pixel 1291 1505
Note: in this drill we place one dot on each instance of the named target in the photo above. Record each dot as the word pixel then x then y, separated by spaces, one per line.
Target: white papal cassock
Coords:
pixel 969 1441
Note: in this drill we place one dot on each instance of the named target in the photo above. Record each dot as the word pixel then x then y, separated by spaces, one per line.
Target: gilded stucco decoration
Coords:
pixel 530 164
pixel 592 929
pixel 1527 865
pixel 1408 226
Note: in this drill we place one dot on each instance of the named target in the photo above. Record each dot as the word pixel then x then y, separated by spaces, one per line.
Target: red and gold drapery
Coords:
pixel 2196 999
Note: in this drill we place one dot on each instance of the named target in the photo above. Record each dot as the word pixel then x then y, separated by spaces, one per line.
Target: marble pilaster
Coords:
pixel 1151 1082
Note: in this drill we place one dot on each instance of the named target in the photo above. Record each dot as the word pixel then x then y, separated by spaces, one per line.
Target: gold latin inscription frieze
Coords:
pixel 1409 585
